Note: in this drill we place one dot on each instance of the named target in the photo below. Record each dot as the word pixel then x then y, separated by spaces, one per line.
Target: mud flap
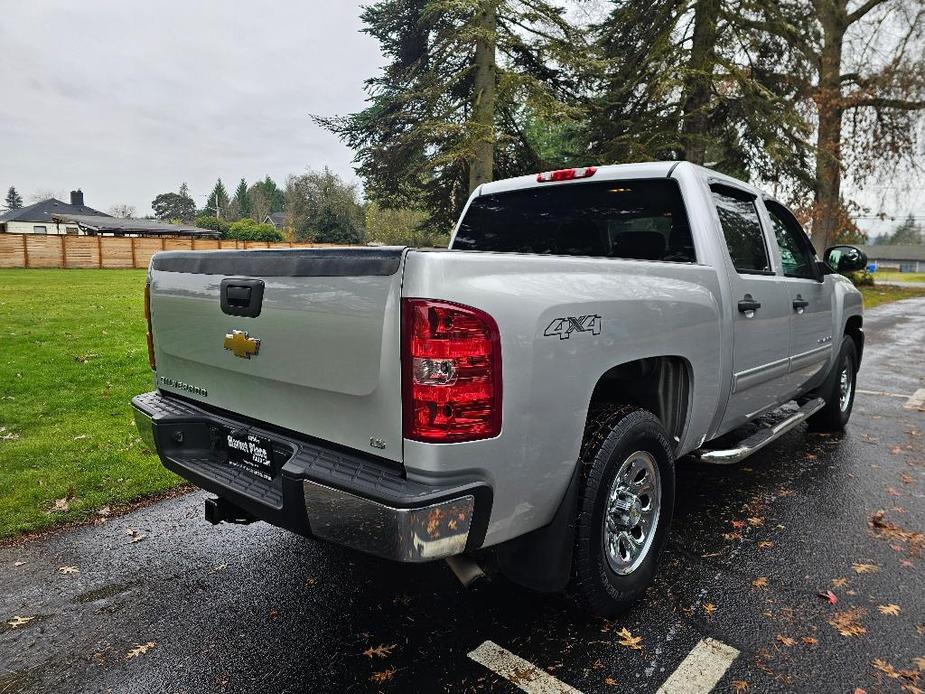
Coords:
pixel 542 559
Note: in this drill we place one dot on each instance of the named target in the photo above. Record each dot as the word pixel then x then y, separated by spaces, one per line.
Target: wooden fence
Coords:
pixel 110 252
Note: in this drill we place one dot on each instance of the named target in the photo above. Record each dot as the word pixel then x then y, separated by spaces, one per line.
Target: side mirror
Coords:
pixel 845 258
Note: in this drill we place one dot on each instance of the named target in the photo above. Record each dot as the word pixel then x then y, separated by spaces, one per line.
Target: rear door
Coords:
pixel 810 294
pixel 304 339
pixel 761 309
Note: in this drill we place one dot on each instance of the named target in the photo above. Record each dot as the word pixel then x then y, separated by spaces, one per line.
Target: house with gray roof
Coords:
pixel 39 217
pixel 903 258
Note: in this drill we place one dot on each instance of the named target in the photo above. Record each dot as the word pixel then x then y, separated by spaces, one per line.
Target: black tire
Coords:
pixel 835 414
pixel 613 436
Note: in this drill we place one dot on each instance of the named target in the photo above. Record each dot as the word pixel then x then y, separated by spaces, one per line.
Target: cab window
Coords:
pixel 796 252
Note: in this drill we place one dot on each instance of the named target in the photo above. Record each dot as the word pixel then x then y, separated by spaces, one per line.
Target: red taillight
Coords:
pixel 148 334
pixel 451 372
pixel 566 174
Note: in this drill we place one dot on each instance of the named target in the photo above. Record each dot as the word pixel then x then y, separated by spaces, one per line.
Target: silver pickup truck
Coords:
pixel 514 402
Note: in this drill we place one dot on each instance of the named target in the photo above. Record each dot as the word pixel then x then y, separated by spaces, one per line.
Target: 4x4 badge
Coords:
pixel 241 344
pixel 564 327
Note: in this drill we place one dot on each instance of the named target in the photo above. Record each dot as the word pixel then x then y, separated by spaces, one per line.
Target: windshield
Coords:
pixel 639 219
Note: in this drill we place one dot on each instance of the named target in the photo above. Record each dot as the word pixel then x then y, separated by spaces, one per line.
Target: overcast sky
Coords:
pixel 127 99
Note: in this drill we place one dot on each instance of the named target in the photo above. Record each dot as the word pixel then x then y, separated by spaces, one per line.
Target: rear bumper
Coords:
pixel 317 489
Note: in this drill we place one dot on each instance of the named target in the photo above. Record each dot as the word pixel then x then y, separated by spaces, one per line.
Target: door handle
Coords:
pixel 799 304
pixel 748 306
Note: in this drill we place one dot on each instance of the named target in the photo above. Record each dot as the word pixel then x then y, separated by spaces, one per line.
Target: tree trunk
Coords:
pixel 699 81
pixel 481 166
pixel 829 109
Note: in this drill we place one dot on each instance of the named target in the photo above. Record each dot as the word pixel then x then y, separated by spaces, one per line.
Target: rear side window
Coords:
pixel 742 229
pixel 637 219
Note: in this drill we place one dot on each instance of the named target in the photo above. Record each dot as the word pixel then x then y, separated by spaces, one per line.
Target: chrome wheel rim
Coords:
pixel 632 511
pixel 845 383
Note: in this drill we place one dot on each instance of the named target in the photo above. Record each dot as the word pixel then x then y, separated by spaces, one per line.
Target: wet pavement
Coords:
pixel 159 601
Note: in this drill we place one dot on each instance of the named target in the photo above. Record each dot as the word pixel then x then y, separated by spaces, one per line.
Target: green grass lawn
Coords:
pixel 886 276
pixel 72 355
pixel 885 293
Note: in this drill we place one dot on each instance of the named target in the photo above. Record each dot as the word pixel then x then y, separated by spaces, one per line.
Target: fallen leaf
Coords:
pixel 891 609
pixel 839 582
pixel 610 682
pixel 737 524
pixel 628 640
pixel 858 690
pixel 846 623
pixel 60 506
pixel 709 607
pixel 136 536
pixel 919 663
pixel 786 640
pixel 383 676
pixel 19 563
pixel 68 570
pixel 865 568
pixel 103 512
pixel 18 621
pixel 755 521
pixel 760 582
pixel 829 596
pixel 732 536
pixel 380 651
pixel 140 649
pixel 809 640
pixel 739 686
pixel 885 668
pixel 765 544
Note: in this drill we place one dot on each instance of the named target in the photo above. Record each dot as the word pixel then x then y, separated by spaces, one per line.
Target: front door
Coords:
pixel 810 295
pixel 761 310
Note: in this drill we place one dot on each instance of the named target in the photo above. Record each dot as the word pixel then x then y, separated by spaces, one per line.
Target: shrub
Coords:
pixel 208 221
pixel 249 230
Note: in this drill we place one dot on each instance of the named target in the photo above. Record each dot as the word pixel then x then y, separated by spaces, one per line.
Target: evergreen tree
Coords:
pixel 906 233
pixel 709 81
pixel 265 198
pixel 448 110
pixel 217 203
pixel 13 199
pixel 243 202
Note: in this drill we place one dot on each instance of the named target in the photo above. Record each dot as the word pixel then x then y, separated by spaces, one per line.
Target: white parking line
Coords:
pixel 698 673
pixel 701 669
pixel 880 392
pixel 916 400
pixel 522 673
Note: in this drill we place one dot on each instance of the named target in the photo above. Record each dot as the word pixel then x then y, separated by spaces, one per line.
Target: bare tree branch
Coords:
pixel 863 10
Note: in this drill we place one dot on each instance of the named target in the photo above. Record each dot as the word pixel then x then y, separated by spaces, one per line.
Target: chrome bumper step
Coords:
pixel 760 438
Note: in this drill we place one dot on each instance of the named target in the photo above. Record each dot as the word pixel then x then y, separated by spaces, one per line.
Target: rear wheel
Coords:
pixel 838 390
pixel 624 509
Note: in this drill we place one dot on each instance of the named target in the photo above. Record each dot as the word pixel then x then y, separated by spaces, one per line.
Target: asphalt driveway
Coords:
pixel 806 559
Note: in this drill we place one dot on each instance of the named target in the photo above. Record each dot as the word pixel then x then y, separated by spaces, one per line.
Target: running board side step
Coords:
pixel 762 437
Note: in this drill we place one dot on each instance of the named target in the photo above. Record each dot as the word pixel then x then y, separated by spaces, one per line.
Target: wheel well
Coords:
pixel 854 331
pixel 659 384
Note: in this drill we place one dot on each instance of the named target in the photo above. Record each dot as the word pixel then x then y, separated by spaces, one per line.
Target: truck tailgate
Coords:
pixel 328 360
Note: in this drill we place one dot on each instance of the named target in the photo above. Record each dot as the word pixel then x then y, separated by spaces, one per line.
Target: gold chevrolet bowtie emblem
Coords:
pixel 242 345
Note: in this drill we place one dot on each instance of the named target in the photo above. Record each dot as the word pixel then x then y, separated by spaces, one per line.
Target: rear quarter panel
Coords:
pixel 647 309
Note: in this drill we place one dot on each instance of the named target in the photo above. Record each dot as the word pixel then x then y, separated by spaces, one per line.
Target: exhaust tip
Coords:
pixel 468 572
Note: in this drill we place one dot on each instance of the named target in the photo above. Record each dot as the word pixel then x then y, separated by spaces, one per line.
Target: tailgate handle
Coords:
pixel 242 297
